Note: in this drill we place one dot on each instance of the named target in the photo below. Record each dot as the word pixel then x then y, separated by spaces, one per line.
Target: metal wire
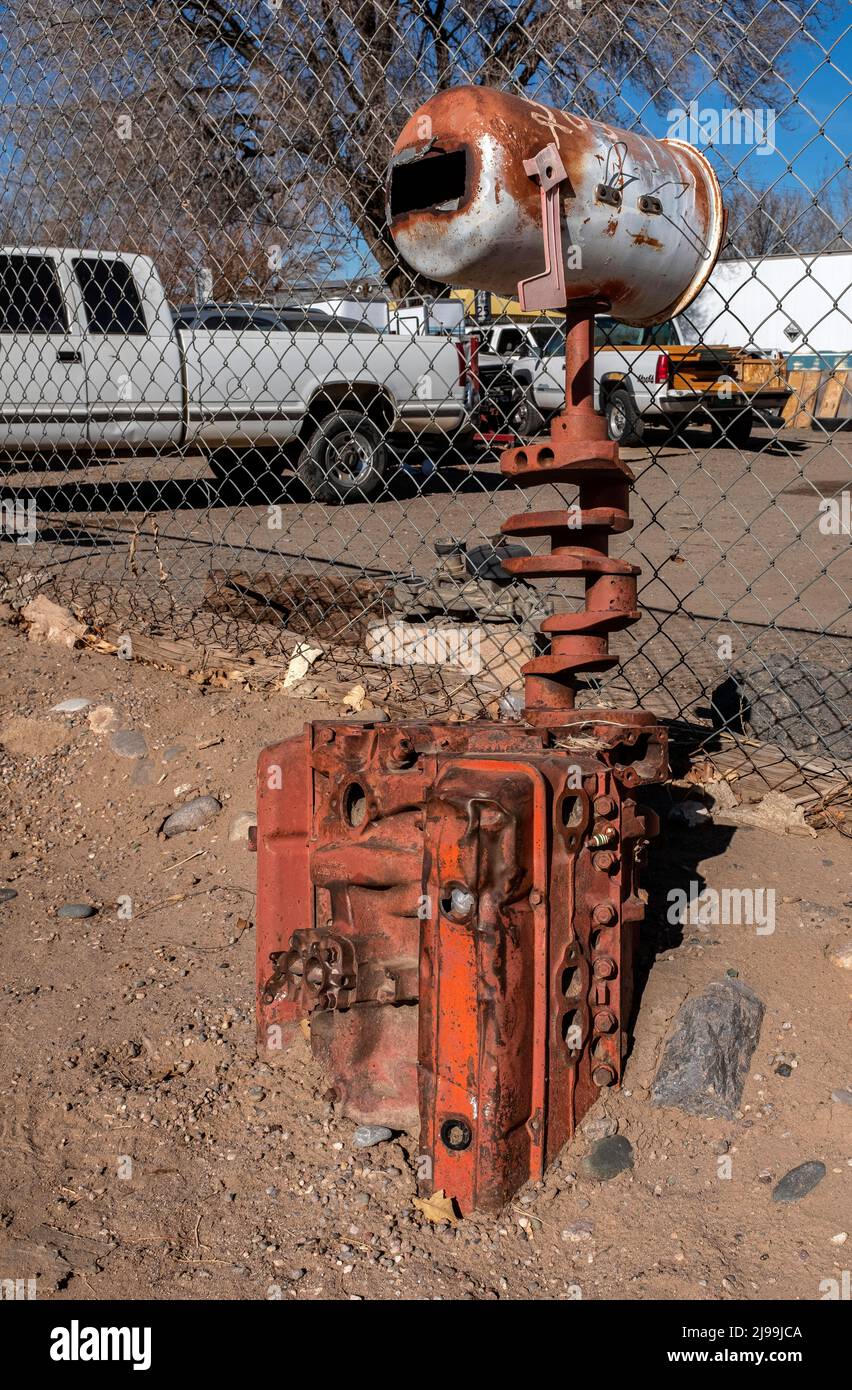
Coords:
pixel 207 438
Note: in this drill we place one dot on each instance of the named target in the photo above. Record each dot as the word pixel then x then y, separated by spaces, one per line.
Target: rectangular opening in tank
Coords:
pixel 434 183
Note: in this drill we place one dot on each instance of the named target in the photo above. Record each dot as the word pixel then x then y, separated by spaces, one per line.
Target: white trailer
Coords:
pixel 798 305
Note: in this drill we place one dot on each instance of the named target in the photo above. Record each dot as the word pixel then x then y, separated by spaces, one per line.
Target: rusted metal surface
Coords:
pixel 464 900
pixel 642 220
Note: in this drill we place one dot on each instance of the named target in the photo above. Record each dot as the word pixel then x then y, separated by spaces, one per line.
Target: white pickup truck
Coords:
pixel 641 375
pixel 92 359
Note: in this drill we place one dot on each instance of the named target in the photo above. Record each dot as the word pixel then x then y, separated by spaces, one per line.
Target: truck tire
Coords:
pixel 623 421
pixel 525 418
pixel 345 459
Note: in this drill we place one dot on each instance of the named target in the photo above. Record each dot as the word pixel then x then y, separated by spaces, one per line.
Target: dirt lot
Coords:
pixel 147 1154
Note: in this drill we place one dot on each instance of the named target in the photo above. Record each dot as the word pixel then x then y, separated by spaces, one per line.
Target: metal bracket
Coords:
pixel 547 290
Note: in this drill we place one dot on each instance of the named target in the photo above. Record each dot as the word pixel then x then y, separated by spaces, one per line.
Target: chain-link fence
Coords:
pixel 242 436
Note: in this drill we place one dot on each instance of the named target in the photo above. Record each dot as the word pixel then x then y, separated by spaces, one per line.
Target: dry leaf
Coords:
pixel 439 1207
pixel 355 698
pixel 703 772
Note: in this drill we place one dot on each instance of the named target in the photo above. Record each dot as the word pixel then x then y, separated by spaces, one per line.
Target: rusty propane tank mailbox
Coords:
pixel 478 176
pixel 455 907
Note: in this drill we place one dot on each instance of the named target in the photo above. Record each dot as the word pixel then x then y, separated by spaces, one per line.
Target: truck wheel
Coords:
pixel 623 421
pixel 525 418
pixel 345 459
pixel 735 432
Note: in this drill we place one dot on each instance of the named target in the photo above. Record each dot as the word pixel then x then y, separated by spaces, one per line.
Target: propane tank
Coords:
pixel 641 219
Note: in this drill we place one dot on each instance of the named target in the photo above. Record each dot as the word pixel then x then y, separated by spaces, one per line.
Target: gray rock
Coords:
pixel 607 1158
pixel 194 815
pixel 799 1181
pixel 71 706
pixel 144 773
pixel 7 894
pixel 599 1127
pixel 578 1231
pixel 129 743
pixel 843 1096
pixel 173 751
pixel 366 1136
pixel 706 1057
pixel 76 910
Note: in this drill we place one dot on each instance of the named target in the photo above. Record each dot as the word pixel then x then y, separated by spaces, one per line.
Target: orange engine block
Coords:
pixel 454 907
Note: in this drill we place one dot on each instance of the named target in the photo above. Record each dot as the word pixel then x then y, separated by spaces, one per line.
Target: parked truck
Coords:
pixel 93 359
pixel 642 375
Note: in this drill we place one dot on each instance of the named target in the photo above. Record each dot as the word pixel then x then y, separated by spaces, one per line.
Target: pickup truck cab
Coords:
pixel 641 375
pixel 92 359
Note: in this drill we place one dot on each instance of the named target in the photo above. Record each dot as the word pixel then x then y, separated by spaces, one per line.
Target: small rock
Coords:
pixel 173 751
pixel 841 1238
pixel 256 1093
pixel 76 910
pixel 144 773
pixel 366 1136
pixel 578 1231
pixel 608 1157
pixel 241 825
pixel 706 1057
pixel 784 1070
pixel 799 1182
pixel 841 955
pixel 296 1274
pixel 599 1127
pixel 7 894
pixel 129 743
pixel 72 706
pixel 843 1096
pixel 103 719
pixel 51 622
pixel 193 816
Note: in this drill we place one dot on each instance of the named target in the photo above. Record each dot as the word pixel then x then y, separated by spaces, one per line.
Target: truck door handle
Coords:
pixel 68 355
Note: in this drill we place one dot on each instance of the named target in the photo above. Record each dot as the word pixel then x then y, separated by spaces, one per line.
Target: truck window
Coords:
pixel 661 334
pixel 30 297
pixel 511 340
pixel 113 303
pixel 610 333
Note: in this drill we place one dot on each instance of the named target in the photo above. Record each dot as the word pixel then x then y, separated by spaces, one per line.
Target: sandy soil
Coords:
pixel 146 1153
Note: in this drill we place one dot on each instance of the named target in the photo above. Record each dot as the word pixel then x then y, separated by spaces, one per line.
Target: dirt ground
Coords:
pixel 146 1153
pixel 728 543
